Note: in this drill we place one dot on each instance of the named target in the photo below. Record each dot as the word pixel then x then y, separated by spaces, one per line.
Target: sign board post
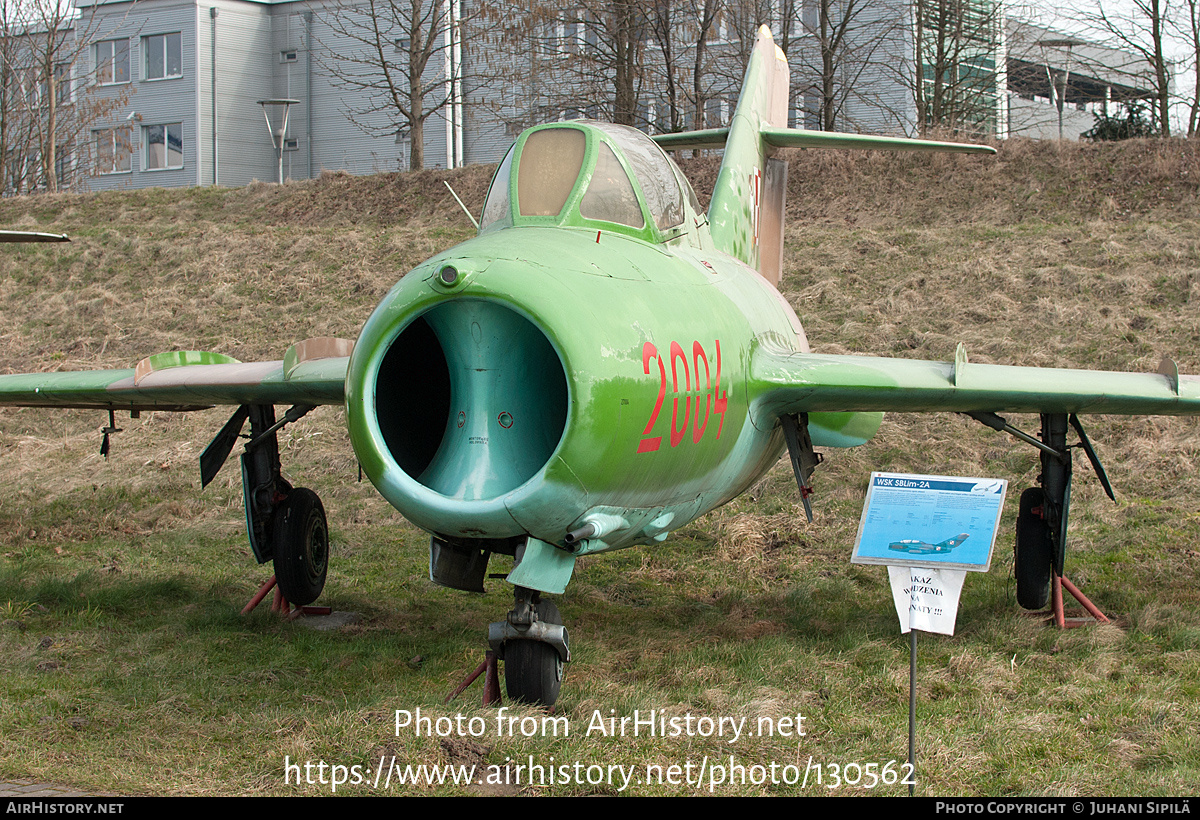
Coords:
pixel 929 531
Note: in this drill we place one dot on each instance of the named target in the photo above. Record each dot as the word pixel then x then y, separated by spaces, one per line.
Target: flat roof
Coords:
pixel 1094 71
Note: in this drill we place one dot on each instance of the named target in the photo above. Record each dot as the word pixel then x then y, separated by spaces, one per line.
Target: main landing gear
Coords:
pixel 1034 552
pixel 1041 543
pixel 285 524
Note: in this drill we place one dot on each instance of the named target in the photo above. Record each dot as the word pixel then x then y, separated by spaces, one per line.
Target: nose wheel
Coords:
pixel 533 670
pixel 533 644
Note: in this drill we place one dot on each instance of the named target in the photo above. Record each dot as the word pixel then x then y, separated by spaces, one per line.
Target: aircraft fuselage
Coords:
pixel 575 373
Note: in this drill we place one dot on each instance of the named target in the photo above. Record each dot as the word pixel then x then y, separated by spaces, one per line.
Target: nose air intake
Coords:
pixel 471 399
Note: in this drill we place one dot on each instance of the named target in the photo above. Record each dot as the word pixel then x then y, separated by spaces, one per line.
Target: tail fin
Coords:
pixel 951 543
pixel 746 212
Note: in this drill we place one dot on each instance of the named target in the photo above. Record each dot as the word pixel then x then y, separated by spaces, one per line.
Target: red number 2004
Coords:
pixel 713 398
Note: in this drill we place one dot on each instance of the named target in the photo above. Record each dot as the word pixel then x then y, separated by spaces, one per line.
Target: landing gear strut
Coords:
pixel 1041 543
pixel 285 524
pixel 804 458
pixel 534 646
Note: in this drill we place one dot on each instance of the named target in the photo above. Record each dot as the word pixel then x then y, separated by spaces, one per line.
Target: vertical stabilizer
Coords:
pixel 746 212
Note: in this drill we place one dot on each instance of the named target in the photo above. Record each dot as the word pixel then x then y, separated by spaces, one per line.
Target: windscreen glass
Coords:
pixel 610 195
pixel 496 207
pixel 654 174
pixel 549 166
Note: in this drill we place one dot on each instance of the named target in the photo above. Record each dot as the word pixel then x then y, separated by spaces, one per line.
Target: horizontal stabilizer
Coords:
pixel 707 138
pixel 803 138
pixel 32 236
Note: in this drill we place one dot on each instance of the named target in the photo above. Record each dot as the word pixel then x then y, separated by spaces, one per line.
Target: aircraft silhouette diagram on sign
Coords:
pixel 915 546
pixel 600 366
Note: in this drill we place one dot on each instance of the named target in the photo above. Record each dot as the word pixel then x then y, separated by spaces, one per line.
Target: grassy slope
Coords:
pixel 126 667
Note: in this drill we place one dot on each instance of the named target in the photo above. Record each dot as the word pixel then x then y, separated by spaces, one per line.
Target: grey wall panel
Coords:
pixel 152 102
pixel 244 71
pixel 370 146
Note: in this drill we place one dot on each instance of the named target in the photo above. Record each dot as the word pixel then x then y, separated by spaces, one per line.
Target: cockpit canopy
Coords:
pixel 583 173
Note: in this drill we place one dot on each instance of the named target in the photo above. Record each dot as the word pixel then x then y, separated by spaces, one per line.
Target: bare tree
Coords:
pixel 664 24
pixel 390 56
pixel 705 14
pixel 841 62
pixel 46 105
pixel 682 33
pixel 611 60
pixel 53 49
pixel 1142 27
pixel 954 77
pixel 844 57
pixel 1191 32
pixel 588 59
pixel 10 62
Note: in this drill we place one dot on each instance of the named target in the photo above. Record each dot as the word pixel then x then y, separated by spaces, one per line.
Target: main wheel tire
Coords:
pixel 533 671
pixel 1034 556
pixel 300 540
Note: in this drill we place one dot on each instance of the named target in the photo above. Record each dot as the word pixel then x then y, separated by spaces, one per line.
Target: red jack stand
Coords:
pixel 258 596
pixel 280 604
pixel 491 685
pixel 1056 604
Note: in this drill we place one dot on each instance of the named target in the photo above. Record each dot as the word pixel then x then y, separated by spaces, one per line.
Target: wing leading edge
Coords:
pixel 790 382
pixel 311 372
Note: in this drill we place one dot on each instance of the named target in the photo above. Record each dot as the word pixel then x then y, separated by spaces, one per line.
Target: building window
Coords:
pixel 164 146
pixel 63 84
pixel 64 165
pixel 163 56
pixel 33 88
pixel 112 61
pixel 289 56
pixel 114 150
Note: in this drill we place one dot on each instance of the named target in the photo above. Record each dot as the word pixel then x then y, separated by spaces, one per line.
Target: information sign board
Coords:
pixel 940 522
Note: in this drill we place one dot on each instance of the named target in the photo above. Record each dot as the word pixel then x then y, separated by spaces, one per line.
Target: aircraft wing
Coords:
pixel 311 372
pixel 791 382
pixel 32 236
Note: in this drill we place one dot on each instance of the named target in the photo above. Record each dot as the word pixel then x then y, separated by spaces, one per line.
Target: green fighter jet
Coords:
pixel 601 365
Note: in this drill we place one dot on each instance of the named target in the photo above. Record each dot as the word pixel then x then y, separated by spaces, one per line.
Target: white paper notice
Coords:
pixel 926 599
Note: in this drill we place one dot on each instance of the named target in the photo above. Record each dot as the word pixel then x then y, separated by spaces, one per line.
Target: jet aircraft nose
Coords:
pixel 456 395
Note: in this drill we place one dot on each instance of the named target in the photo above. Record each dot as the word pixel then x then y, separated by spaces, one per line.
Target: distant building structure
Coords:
pixel 193 74
pixel 1057 83
pixel 180 84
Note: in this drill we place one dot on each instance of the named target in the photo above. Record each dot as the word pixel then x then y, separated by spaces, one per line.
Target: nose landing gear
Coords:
pixel 534 646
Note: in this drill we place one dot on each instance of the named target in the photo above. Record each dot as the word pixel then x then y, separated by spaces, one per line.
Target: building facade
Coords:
pixel 198 92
